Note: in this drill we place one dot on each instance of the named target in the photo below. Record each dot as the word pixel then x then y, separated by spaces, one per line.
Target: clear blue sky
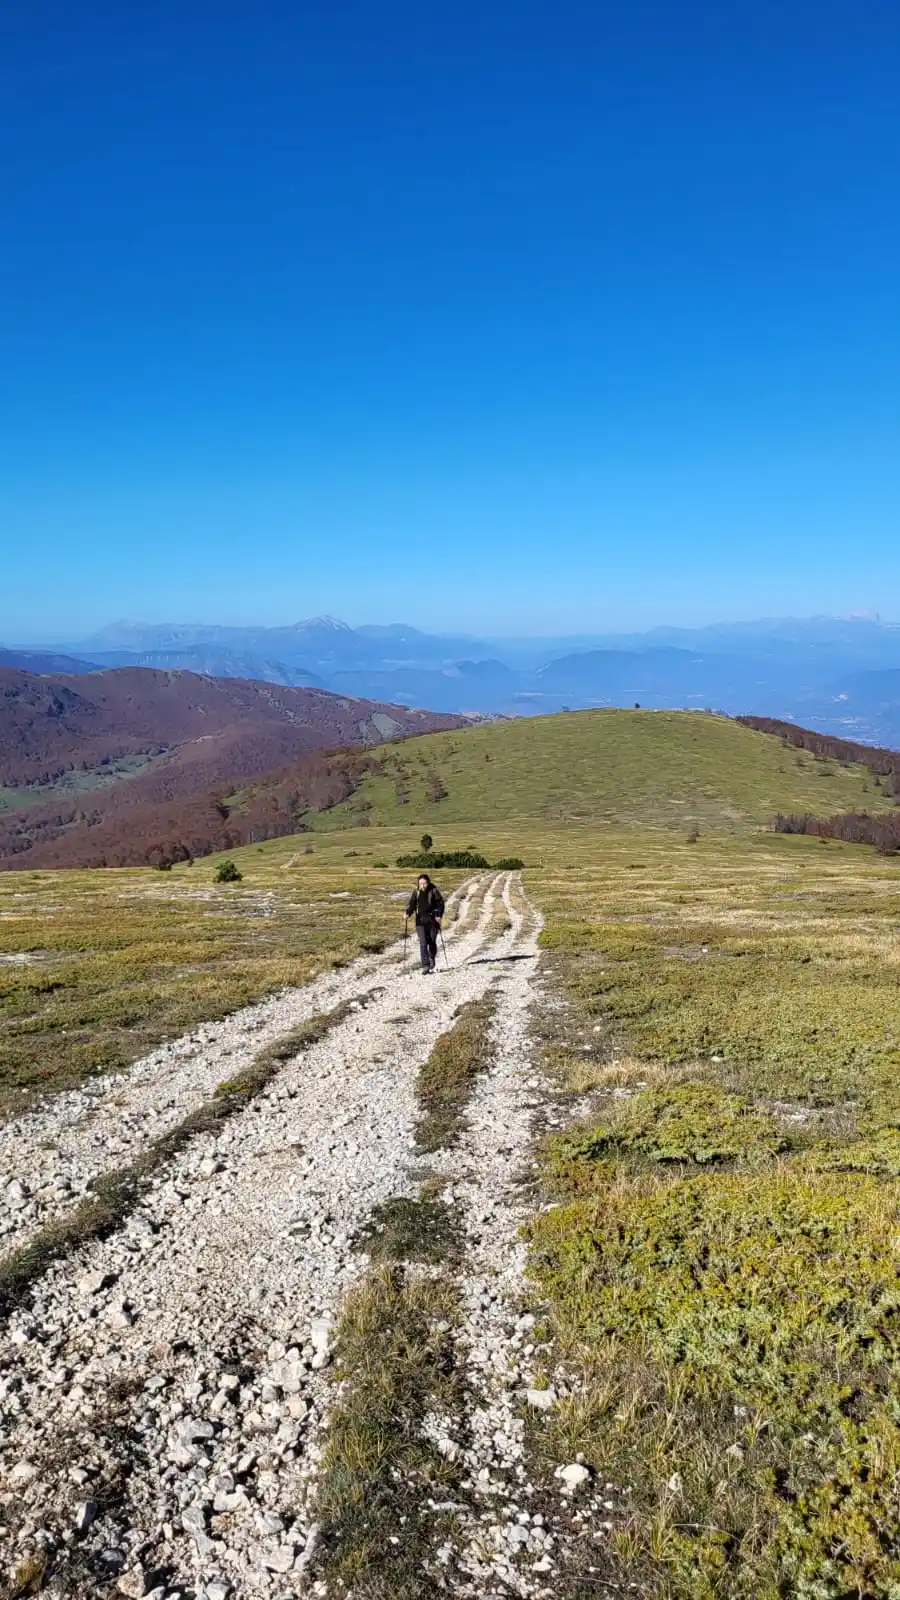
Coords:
pixel 500 314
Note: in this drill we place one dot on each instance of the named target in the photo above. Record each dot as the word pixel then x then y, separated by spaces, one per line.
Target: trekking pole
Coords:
pixel 443 946
pixel 405 937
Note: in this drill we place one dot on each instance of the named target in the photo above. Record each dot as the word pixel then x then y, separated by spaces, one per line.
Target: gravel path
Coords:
pixel 50 1156
pixel 163 1389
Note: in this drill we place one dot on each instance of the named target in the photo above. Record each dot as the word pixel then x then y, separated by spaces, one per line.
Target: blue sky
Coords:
pixel 500 316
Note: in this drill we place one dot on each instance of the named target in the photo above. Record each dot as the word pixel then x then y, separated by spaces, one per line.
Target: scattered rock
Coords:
pixel 194 1520
pixel 320 1333
pixel 86 1513
pixel 281 1559
pixel 133 1584
pixel 92 1282
pixel 120 1314
pixel 541 1399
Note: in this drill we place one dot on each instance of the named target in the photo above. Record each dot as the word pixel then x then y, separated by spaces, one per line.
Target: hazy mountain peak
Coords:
pixel 333 624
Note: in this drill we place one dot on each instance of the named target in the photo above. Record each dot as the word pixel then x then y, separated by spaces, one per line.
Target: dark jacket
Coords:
pixel 426 904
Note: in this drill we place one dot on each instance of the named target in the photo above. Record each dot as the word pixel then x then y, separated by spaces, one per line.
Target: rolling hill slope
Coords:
pixel 654 768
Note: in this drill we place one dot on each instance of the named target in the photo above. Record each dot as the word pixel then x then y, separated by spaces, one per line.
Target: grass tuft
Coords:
pixel 446 1079
pixel 28 1577
pixel 424 1230
pixel 395 1353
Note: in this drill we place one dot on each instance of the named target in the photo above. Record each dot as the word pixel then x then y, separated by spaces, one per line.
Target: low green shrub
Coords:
pixel 693 1123
pixel 470 857
pixel 615 940
pixel 425 860
pixel 879 1155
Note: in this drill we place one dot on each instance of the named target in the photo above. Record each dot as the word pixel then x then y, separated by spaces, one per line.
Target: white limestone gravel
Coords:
pixel 164 1393
pixel 50 1155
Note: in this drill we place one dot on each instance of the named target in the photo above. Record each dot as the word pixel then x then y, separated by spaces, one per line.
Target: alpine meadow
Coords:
pixel 611 1300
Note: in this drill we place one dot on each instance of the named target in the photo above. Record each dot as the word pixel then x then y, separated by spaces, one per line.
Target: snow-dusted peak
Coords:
pixel 322 624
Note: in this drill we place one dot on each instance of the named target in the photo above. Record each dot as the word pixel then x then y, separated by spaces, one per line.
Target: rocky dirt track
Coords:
pixel 165 1389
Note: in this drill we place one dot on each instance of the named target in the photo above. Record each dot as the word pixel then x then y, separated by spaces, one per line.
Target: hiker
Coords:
pixel 426 904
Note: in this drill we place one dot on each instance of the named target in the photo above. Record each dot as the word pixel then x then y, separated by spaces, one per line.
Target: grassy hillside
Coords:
pixel 662 769
pixel 95 967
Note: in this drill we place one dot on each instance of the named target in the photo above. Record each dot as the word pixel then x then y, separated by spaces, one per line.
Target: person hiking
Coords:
pixel 426 904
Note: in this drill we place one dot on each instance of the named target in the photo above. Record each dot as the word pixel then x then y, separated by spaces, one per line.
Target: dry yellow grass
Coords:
pixel 98 967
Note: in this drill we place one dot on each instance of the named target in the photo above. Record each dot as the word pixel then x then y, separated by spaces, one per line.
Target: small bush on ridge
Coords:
pixel 227 872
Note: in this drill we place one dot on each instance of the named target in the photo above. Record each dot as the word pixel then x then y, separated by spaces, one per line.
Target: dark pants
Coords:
pixel 428 938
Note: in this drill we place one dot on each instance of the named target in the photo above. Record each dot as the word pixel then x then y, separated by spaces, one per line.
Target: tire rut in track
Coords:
pixel 481 1532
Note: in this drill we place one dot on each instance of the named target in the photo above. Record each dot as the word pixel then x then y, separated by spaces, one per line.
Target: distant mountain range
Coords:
pixel 841 675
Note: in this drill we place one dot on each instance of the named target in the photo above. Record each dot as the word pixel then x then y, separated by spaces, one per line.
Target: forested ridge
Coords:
pixel 881 829
pixel 131 765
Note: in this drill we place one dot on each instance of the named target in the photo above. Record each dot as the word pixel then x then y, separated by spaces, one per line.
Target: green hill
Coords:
pixel 654 768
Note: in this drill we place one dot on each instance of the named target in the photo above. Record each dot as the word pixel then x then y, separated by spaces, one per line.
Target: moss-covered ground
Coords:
pixel 720 1262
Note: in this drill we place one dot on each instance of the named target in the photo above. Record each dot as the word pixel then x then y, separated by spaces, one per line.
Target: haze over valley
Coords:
pixel 838 674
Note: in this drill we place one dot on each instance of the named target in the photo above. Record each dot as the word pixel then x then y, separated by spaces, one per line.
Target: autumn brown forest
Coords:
pixel 133 765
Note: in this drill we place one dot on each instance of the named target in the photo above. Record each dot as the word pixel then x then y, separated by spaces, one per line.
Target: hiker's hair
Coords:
pixel 425 876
